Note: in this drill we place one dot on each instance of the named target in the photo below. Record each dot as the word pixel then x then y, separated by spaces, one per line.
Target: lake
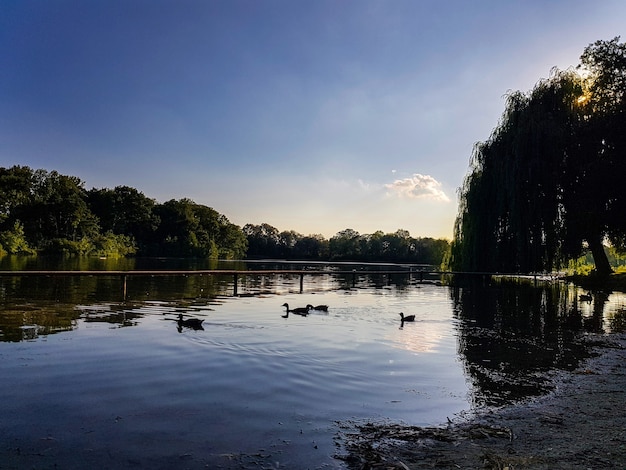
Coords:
pixel 94 381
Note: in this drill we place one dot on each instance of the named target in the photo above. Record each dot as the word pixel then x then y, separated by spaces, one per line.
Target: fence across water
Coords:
pixel 420 276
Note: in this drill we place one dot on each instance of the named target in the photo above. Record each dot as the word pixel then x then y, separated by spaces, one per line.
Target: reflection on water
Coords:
pixel 94 379
pixel 28 321
pixel 510 331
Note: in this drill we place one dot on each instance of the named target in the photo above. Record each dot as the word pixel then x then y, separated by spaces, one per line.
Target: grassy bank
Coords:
pixel 614 282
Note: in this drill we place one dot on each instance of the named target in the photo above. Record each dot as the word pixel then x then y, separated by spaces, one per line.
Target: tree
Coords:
pixel 16 185
pixel 543 187
pixel 14 242
pixel 232 242
pixel 345 245
pixel 263 240
pixel 313 247
pixel 125 211
pixel 287 241
pixel 604 65
pixel 190 229
pixel 57 209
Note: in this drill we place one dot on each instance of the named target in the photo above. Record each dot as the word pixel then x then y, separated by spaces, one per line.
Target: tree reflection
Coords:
pixel 26 322
pixel 512 333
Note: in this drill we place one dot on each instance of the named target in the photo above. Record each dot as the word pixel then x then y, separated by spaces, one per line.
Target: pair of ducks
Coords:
pixel 303 311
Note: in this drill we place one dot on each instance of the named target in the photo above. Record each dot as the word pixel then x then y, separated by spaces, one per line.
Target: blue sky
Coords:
pixel 313 116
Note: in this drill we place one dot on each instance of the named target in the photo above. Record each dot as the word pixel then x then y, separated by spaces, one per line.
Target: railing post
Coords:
pixel 124 291
pixel 301 282
pixel 235 280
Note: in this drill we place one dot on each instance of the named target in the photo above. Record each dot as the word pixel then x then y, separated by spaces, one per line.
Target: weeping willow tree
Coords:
pixel 542 188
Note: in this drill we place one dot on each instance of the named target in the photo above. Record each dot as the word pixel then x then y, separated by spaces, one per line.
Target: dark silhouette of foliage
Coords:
pixel 126 211
pixel 53 213
pixel 265 241
pixel 56 209
pixel 545 186
pixel 193 230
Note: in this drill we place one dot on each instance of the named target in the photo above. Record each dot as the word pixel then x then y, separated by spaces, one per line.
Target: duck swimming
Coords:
pixel 407 318
pixel 319 308
pixel 304 311
pixel 194 323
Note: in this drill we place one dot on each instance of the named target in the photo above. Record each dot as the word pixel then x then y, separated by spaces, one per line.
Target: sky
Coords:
pixel 309 115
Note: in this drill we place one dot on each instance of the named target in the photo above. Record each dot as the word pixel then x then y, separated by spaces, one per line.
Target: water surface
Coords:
pixel 116 384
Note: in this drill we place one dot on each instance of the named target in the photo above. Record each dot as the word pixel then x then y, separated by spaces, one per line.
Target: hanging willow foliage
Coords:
pixel 510 216
pixel 537 193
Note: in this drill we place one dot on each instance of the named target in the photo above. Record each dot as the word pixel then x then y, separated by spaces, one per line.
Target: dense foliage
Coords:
pixel 546 186
pixel 53 213
pixel 347 245
pixel 43 211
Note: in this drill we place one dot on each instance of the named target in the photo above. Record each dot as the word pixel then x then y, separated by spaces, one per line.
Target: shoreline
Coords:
pixel 580 424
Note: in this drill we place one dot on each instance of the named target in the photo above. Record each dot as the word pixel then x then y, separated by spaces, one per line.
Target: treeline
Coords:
pixel 46 212
pixel 548 185
pixel 347 245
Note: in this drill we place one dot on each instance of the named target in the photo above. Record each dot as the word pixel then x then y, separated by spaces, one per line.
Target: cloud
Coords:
pixel 418 187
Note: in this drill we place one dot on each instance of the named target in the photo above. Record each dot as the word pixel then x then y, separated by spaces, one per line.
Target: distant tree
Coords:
pixel 176 233
pixel 263 241
pixel 345 245
pixel 125 211
pixel 53 213
pixel 57 209
pixel 287 241
pixel 376 245
pixel 190 229
pixel 266 241
pixel 232 242
pixel 16 185
pixel 111 245
pixel 398 245
pixel 431 250
pixel 14 241
pixel 313 247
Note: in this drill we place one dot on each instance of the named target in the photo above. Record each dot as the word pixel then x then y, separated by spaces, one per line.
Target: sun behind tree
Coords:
pixel 546 186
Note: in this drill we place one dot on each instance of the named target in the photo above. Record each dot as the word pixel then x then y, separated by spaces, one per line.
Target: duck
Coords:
pixel 585 297
pixel 195 323
pixel 320 308
pixel 304 311
pixel 407 318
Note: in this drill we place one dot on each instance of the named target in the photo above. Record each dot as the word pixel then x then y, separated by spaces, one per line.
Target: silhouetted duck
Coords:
pixel 407 318
pixel 585 297
pixel 319 308
pixel 194 323
pixel 304 311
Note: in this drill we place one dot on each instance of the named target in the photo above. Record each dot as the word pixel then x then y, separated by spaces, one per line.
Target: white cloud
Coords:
pixel 418 187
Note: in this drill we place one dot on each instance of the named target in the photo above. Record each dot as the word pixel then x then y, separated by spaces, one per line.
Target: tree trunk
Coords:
pixel 603 268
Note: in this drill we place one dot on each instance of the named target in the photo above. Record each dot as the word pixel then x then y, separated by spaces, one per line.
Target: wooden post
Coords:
pixel 235 279
pixel 124 291
pixel 301 282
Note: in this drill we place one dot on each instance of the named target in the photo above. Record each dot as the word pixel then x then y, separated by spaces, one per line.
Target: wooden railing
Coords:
pixel 124 275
